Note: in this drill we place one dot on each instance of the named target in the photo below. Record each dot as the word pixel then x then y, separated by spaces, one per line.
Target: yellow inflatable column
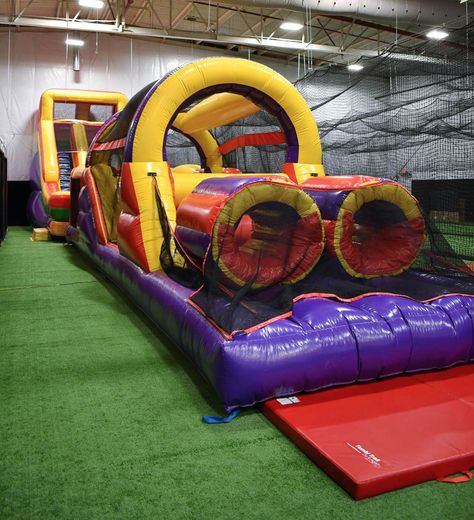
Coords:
pixel 140 226
pixel 80 144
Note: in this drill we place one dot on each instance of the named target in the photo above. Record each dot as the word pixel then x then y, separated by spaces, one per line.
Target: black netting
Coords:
pixel 251 159
pixel 174 261
pixel 180 150
pixel 408 118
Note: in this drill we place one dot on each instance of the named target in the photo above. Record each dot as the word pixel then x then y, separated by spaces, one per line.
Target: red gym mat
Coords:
pixel 376 437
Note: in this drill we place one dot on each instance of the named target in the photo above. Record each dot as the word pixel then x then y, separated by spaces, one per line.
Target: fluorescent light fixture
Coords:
pixel 74 42
pixel 355 67
pixel 291 26
pixel 96 4
pixel 437 34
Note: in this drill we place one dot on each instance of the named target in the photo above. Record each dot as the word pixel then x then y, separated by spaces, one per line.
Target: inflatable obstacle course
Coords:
pixel 273 283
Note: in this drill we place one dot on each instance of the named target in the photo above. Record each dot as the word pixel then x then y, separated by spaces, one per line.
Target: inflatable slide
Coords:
pixel 273 283
pixel 67 122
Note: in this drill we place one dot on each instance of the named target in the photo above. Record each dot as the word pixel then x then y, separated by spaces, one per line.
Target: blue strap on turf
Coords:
pixel 220 420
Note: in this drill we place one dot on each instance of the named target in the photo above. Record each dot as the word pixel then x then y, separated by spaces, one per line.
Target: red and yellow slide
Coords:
pixel 68 121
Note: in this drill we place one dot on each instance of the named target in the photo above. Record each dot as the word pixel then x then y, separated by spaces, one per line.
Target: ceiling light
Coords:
pixel 96 4
pixel 437 34
pixel 355 67
pixel 74 42
pixel 291 26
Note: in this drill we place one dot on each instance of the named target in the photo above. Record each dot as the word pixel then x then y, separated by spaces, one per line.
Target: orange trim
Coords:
pixel 334 296
pixel 268 322
pixel 259 139
pixel 99 220
pixel 208 318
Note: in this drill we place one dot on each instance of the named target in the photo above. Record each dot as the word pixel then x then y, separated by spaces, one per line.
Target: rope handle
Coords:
pixel 465 476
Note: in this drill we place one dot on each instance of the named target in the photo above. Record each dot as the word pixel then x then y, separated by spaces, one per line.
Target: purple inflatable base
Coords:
pixel 35 211
pixel 324 343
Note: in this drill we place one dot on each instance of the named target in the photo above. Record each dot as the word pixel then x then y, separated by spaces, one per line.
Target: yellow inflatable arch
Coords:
pixel 238 78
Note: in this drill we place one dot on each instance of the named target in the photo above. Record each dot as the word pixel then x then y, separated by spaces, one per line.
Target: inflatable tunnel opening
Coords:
pixel 267 245
pixel 250 233
pixel 374 226
pixel 378 226
pixel 382 238
pixel 377 237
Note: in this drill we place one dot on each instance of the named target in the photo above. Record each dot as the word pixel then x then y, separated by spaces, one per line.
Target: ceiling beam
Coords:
pixel 264 20
pixel 388 29
pixel 157 16
pixel 142 9
pixel 16 4
pixel 224 17
pixel 181 15
pixel 111 9
pixel 272 17
pixel 19 14
pixel 265 43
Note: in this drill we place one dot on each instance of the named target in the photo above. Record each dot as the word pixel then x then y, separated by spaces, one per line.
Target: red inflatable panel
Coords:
pixel 376 437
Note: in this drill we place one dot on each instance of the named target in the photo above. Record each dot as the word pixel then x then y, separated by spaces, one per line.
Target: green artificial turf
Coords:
pixel 101 418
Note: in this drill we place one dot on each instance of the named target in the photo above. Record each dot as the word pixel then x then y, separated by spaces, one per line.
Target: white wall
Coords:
pixel 32 62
